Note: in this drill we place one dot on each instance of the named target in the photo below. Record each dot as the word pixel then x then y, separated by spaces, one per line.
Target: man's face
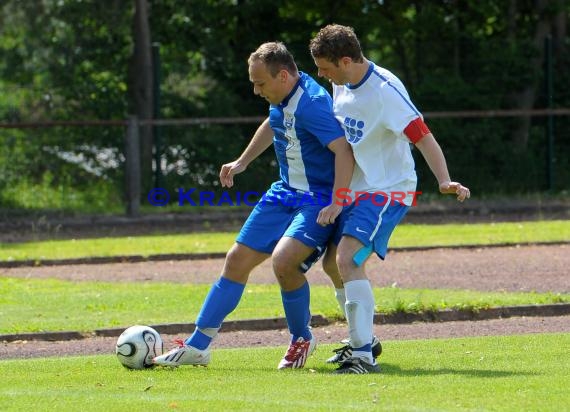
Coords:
pixel 333 73
pixel 270 88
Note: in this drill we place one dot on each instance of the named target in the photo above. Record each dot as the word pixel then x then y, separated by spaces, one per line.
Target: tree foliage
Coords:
pixel 75 59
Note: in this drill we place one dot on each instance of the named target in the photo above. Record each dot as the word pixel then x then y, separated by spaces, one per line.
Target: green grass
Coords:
pixel 510 373
pixel 481 233
pixel 100 196
pixel 32 305
pixel 406 235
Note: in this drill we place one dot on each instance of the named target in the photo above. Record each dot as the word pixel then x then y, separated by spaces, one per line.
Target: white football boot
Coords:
pixel 183 355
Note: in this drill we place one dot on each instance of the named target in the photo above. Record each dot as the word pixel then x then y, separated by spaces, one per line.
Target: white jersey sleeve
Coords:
pixel 398 110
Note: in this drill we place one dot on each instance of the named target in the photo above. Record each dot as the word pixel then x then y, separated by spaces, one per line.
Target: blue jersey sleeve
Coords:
pixel 319 120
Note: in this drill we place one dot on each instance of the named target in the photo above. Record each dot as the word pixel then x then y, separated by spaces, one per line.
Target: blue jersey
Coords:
pixel 304 124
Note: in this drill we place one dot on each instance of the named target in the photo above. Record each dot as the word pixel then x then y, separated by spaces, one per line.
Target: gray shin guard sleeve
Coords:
pixel 211 332
pixel 359 324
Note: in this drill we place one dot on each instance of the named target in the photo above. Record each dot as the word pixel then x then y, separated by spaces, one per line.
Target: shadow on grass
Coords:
pixel 395 370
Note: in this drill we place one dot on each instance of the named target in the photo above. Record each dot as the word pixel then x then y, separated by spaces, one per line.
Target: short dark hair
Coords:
pixel 276 57
pixel 333 42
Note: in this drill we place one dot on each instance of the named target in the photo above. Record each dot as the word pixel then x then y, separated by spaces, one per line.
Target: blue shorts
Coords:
pixel 284 212
pixel 372 222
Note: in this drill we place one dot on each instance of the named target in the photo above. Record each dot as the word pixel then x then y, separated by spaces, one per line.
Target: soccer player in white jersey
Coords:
pixel 315 161
pixel 380 123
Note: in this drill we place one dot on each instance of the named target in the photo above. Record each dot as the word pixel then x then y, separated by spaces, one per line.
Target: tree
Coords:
pixel 548 18
pixel 141 87
pixel 91 59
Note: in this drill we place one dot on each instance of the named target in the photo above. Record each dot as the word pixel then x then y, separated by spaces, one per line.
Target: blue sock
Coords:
pixel 296 304
pixel 222 299
pixel 365 348
pixel 199 340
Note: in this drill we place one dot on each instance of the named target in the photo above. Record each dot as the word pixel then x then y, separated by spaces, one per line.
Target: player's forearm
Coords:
pixel 261 140
pixel 343 169
pixel 432 153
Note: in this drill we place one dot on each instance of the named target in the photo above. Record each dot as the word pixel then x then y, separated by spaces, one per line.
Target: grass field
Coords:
pixel 404 236
pixel 508 373
pixel 34 305
pixel 511 373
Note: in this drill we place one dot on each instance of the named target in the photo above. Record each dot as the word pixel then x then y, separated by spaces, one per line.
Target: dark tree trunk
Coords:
pixel 525 98
pixel 141 87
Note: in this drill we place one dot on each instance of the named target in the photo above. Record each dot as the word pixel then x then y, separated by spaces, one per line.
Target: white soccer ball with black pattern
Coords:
pixel 137 346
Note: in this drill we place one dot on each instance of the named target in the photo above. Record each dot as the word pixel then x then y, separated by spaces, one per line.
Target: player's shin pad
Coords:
pixel 360 321
pixel 210 332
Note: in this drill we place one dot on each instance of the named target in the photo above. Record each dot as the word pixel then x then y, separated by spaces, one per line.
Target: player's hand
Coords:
pixel 228 171
pixel 455 188
pixel 328 214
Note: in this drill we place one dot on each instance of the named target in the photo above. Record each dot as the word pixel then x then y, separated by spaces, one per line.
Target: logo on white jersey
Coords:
pixel 289 120
pixel 289 123
pixel 354 129
pixel 290 142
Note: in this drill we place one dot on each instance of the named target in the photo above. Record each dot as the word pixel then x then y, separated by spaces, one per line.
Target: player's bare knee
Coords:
pixel 233 256
pixel 239 262
pixel 281 279
pixel 329 265
pixel 345 263
pixel 284 265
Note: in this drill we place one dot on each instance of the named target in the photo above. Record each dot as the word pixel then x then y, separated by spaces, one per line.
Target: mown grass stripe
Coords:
pixel 101 260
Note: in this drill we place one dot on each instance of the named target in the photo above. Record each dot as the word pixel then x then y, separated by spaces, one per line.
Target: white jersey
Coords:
pixel 374 114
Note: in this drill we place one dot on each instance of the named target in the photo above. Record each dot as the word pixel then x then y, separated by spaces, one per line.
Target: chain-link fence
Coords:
pixel 94 167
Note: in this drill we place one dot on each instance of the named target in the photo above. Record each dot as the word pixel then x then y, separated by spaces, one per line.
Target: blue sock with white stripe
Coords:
pixel 222 299
pixel 297 311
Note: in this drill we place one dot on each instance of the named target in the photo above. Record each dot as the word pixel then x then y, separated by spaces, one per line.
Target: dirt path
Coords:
pixel 517 268
pixel 328 334
pixel 525 268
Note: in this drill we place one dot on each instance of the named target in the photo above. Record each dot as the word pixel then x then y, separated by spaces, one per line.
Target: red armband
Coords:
pixel 416 130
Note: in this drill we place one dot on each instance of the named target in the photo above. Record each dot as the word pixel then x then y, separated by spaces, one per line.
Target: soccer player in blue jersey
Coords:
pixel 315 160
pixel 381 123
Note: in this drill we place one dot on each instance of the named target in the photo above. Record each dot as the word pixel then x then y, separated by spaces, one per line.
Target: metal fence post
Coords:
pixel 549 119
pixel 156 114
pixel 133 167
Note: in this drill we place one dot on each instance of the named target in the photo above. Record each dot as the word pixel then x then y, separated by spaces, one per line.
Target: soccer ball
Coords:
pixel 137 346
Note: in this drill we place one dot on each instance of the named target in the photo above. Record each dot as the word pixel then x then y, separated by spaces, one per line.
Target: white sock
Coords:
pixel 341 299
pixel 360 315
